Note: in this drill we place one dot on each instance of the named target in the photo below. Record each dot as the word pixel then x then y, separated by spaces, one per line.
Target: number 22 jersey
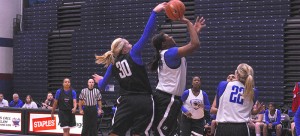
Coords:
pixel 232 107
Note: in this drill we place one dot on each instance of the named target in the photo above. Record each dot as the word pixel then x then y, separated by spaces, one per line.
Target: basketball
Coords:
pixel 175 9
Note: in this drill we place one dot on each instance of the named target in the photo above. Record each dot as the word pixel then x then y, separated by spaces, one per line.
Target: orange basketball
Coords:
pixel 175 9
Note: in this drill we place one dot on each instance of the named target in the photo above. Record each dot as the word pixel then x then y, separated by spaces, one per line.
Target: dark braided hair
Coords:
pixel 157 41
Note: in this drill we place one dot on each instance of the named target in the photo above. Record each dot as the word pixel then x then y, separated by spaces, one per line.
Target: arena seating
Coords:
pixel 243 31
pixel 236 32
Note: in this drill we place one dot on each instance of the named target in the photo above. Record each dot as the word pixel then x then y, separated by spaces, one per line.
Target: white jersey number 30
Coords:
pixel 124 68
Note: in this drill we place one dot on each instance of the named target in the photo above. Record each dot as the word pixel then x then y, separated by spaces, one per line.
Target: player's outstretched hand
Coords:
pixel 160 7
pixel 199 24
pixel 97 78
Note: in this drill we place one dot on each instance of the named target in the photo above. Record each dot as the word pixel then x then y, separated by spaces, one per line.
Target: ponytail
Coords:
pixel 106 59
pixel 155 62
pixel 249 86
pixel 157 41
pixel 109 57
pixel 246 76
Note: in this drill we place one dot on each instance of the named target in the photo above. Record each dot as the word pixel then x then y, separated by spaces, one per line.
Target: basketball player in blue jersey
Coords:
pixel 235 101
pixel 272 120
pixel 170 63
pixel 65 100
pixel 135 107
pixel 195 101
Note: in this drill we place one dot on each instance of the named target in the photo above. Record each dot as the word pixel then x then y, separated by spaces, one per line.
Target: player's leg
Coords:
pixel 65 121
pixel 265 129
pixel 198 126
pixel 123 116
pixel 144 115
pixel 66 131
pixel 185 125
pixel 258 125
pixel 167 109
pixel 293 128
pixel 278 129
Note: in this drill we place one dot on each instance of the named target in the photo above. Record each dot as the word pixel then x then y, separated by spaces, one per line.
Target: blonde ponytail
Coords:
pixel 249 86
pixel 109 57
pixel 246 76
pixel 106 59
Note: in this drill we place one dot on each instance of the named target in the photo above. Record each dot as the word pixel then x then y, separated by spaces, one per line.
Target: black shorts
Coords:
pixel 188 125
pixel 66 118
pixel 167 109
pixel 135 112
pixel 232 129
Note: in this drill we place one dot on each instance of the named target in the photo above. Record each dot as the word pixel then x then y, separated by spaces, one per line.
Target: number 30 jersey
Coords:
pixel 132 77
pixel 233 108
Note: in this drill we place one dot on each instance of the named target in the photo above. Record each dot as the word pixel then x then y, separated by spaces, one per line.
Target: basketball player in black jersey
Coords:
pixel 135 107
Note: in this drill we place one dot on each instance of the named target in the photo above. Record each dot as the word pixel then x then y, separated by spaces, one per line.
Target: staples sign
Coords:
pixel 43 123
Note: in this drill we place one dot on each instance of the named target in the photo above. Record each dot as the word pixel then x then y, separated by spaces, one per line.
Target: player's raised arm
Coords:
pixel 194 30
pixel 136 51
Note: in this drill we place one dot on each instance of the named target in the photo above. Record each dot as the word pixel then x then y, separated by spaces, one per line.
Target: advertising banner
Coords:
pixel 42 123
pixel 46 123
pixel 10 121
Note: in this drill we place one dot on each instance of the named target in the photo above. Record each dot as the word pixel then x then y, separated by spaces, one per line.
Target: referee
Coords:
pixel 89 97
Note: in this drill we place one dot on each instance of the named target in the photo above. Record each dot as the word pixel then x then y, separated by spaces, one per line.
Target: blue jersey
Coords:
pixel 274 119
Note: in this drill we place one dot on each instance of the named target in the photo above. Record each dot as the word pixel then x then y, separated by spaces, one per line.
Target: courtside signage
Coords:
pixel 42 123
pixel 10 121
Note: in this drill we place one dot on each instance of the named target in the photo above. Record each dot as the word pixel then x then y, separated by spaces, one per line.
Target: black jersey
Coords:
pixel 65 101
pixel 132 77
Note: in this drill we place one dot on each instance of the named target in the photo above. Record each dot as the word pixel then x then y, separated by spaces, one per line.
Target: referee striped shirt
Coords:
pixel 90 96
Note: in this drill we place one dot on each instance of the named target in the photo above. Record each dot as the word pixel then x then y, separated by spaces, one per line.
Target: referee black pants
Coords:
pixel 90 116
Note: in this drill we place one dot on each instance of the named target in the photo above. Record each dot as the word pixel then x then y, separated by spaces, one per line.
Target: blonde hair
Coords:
pixel 109 57
pixel 246 76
